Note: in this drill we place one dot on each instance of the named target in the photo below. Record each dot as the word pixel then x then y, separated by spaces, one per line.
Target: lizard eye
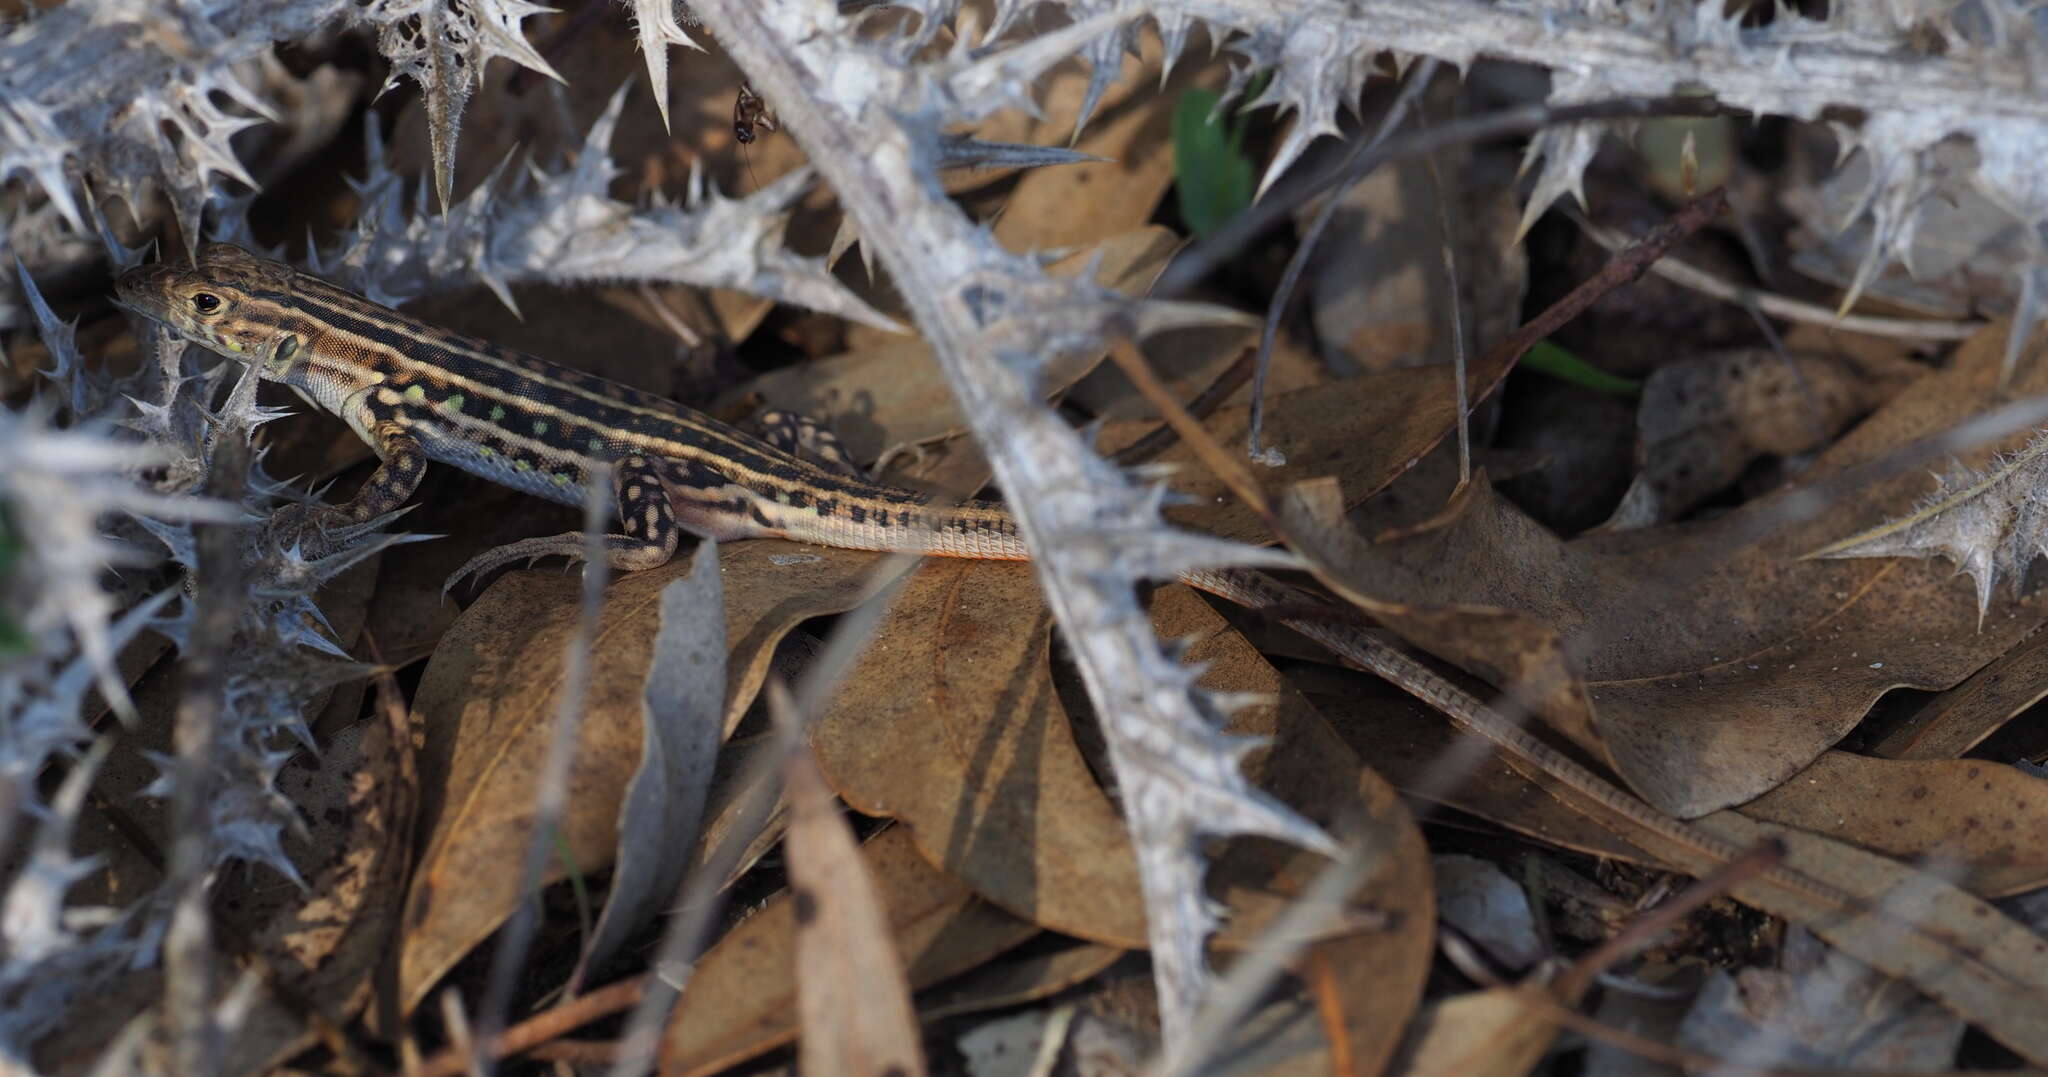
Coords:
pixel 205 302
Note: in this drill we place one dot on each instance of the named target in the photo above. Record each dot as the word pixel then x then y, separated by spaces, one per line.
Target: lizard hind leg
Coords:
pixel 806 438
pixel 649 524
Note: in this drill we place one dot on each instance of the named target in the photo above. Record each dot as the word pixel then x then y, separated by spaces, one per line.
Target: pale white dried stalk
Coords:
pixel 871 122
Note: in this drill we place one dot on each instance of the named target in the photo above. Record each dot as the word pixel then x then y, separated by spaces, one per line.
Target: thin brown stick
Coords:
pixel 1626 267
pixel 1202 406
pixel 1211 452
pixel 546 1026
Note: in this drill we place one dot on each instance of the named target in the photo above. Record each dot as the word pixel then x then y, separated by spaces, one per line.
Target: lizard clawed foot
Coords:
pixel 315 530
pixel 622 552
pixel 529 550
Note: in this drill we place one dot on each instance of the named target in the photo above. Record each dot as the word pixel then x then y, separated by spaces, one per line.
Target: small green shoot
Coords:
pixel 12 639
pixel 1548 358
pixel 577 884
pixel 1212 178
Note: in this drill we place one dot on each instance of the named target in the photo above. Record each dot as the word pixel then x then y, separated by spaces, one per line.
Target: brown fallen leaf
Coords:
pixel 487 701
pixel 852 998
pixel 1974 820
pixel 1013 982
pixel 1955 721
pixel 1490 1033
pixel 1715 663
pixel 950 722
pixel 1705 418
pixel 1076 205
pixel 1372 977
pixel 741 998
pixel 1378 285
pixel 1425 756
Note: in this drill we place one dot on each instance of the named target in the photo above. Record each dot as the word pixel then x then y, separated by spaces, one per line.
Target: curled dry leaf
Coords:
pixel 1704 419
pixel 741 998
pixel 1954 721
pixel 1705 663
pixel 488 697
pixel 852 997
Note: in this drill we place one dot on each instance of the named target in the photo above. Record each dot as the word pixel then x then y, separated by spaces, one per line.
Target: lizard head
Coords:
pixel 229 300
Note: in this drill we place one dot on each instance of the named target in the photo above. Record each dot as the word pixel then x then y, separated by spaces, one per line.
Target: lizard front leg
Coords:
pixel 318 530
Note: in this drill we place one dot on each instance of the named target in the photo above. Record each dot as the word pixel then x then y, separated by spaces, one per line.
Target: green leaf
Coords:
pixel 1548 358
pixel 1212 178
pixel 12 639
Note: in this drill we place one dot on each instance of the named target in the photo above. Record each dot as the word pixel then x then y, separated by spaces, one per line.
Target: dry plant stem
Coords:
pixel 1202 406
pixel 1686 275
pixel 1625 267
pixel 546 1026
pixel 216 598
pixel 992 320
pixel 1211 452
pixel 1197 262
pixel 1283 297
pixel 1450 250
pixel 552 796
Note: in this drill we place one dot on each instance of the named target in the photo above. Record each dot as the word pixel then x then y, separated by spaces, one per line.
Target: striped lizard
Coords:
pixel 417 393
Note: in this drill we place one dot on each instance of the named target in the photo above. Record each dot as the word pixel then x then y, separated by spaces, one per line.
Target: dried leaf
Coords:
pixel 1491 1033
pixel 950 722
pixel 852 997
pixel 741 998
pixel 1973 820
pixel 1955 721
pixel 1704 419
pixel 1077 205
pixel 1013 982
pixel 487 698
pixel 1372 975
pixel 1715 664
pixel 683 723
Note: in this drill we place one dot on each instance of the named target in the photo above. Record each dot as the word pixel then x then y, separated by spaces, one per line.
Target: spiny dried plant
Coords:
pixel 1990 522
pixel 124 97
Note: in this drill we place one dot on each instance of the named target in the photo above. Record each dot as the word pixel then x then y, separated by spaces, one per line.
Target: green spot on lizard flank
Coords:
pixel 453 403
pixel 522 465
pixel 597 445
pixel 415 392
pixel 486 450
pixel 563 480
pixel 540 426
pixel 497 414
